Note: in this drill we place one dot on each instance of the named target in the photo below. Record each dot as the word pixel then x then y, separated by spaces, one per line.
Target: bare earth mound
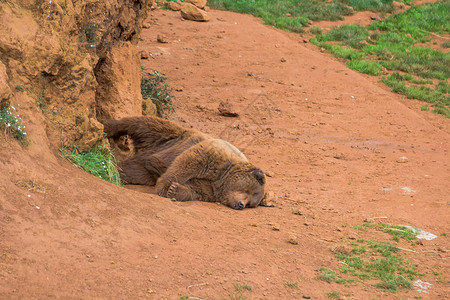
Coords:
pixel 337 146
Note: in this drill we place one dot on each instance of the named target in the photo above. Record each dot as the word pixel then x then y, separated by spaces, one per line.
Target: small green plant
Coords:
pixel 292 284
pixel 99 161
pixel 334 295
pixel 396 231
pixel 20 88
pixel 425 108
pixel 12 124
pixel 238 287
pixel 315 30
pixel 327 275
pixel 446 45
pixel 155 88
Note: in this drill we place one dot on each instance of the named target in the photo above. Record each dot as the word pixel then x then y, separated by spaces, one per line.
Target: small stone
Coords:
pixel 175 6
pixel 306 297
pixel 283 59
pixel 268 199
pixel 198 3
pixel 254 225
pixel 402 160
pixel 226 109
pixel 276 227
pixel 297 211
pixel 146 25
pixel 143 54
pixel 293 240
pixel 161 38
pixel 269 173
pixel 288 15
pixel 193 13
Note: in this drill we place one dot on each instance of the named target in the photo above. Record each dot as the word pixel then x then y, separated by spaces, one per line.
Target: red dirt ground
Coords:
pixel 332 140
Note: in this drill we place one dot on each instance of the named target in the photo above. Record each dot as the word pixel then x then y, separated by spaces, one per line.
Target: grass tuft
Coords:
pixel 334 295
pixel 12 124
pixel 99 161
pixel 239 287
pixel 292 284
pixel 155 88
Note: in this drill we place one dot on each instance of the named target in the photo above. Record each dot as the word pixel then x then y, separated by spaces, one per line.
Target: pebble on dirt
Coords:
pixel 143 54
pixel 293 240
pixel 161 38
pixel 268 200
pixel 226 109
pixel 193 13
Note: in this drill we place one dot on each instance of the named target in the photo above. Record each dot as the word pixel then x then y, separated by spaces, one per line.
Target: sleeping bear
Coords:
pixel 185 164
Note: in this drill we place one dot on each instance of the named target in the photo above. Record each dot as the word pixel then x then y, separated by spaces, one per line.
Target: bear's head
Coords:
pixel 243 187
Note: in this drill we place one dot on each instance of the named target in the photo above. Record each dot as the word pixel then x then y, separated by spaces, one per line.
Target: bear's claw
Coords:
pixel 172 190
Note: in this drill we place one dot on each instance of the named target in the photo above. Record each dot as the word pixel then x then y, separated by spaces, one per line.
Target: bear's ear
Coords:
pixel 259 175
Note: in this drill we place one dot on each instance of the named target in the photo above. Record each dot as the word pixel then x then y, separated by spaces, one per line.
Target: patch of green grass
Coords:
pixel 352 35
pixel 334 295
pixel 383 6
pixel 365 66
pixel 315 30
pixel 438 97
pixel 12 124
pixel 292 284
pixel 99 161
pixel 377 261
pixel 396 231
pixel 154 87
pixel 299 11
pixel 392 44
pixel 241 287
pixel 446 45
pixel 327 275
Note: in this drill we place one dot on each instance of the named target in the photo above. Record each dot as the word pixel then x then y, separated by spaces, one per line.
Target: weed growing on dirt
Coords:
pixel 99 161
pixel 13 125
pixel 396 231
pixel 155 88
pixel 374 260
pixel 334 295
pixel 418 72
pixel 241 287
pixel 292 284
pixel 327 275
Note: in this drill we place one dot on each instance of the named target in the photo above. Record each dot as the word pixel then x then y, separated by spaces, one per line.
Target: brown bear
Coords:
pixel 185 164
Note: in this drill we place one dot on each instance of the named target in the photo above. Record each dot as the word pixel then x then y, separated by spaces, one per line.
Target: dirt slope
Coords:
pixel 331 139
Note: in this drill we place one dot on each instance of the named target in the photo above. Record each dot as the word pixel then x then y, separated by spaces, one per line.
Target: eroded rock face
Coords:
pixel 63 53
pixel 5 91
pixel 118 92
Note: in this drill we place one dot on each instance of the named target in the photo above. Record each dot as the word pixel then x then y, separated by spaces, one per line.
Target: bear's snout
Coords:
pixel 239 205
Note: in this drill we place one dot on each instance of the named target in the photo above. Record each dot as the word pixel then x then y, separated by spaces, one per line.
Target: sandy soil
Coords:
pixel 337 145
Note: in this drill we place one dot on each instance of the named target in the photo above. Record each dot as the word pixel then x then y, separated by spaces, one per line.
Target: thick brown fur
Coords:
pixel 185 164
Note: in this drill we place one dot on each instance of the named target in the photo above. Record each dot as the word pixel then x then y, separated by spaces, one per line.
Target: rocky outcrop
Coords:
pixel 198 3
pixel 175 6
pixel 76 61
pixel 193 13
pixel 5 90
